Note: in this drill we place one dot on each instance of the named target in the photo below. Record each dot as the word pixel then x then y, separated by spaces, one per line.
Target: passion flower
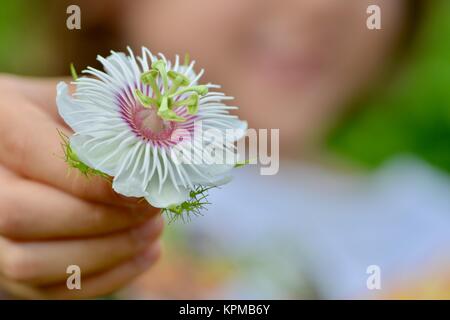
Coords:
pixel 128 119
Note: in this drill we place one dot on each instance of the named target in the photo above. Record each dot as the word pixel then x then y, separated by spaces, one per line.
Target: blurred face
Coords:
pixel 290 64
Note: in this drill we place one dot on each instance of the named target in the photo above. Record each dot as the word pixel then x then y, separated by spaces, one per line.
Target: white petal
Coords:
pixel 68 109
pixel 119 66
pixel 104 155
pixel 209 175
pixel 169 195
pixel 129 185
pixel 239 126
pixel 212 182
pixel 97 95
pixel 128 181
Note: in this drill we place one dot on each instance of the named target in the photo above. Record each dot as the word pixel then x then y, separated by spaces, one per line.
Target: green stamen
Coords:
pixel 164 102
pixel 164 106
pixel 170 115
pixel 201 90
pixel 167 114
pixel 144 100
pixel 160 66
pixel 149 78
pixel 178 80
pixel 191 103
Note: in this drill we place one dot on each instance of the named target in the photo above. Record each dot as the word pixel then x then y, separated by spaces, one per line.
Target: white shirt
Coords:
pixel 310 232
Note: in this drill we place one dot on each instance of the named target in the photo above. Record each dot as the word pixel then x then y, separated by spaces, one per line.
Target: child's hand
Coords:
pixel 49 219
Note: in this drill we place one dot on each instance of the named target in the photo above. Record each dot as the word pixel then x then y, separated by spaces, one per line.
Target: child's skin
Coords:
pixel 291 65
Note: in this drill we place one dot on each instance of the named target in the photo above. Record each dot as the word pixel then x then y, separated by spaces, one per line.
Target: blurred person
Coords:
pixel 315 227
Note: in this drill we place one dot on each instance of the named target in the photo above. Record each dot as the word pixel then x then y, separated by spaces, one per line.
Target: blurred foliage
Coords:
pixel 412 114
pixel 26 44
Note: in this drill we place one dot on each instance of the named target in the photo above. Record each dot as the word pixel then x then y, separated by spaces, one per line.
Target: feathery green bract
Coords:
pixel 193 206
pixel 73 161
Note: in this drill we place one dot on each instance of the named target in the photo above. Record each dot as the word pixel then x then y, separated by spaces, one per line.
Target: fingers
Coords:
pixel 30 145
pixel 39 91
pixel 33 211
pixel 92 286
pixel 6 175
pixel 110 281
pixel 46 262
pixel 19 290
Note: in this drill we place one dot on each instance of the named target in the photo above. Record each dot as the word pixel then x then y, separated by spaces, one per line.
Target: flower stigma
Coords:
pixel 176 92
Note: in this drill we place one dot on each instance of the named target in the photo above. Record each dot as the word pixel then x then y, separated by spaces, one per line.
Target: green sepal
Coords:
pixel 73 72
pixel 187 59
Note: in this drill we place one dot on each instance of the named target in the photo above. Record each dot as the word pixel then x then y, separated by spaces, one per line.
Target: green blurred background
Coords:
pixel 412 113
